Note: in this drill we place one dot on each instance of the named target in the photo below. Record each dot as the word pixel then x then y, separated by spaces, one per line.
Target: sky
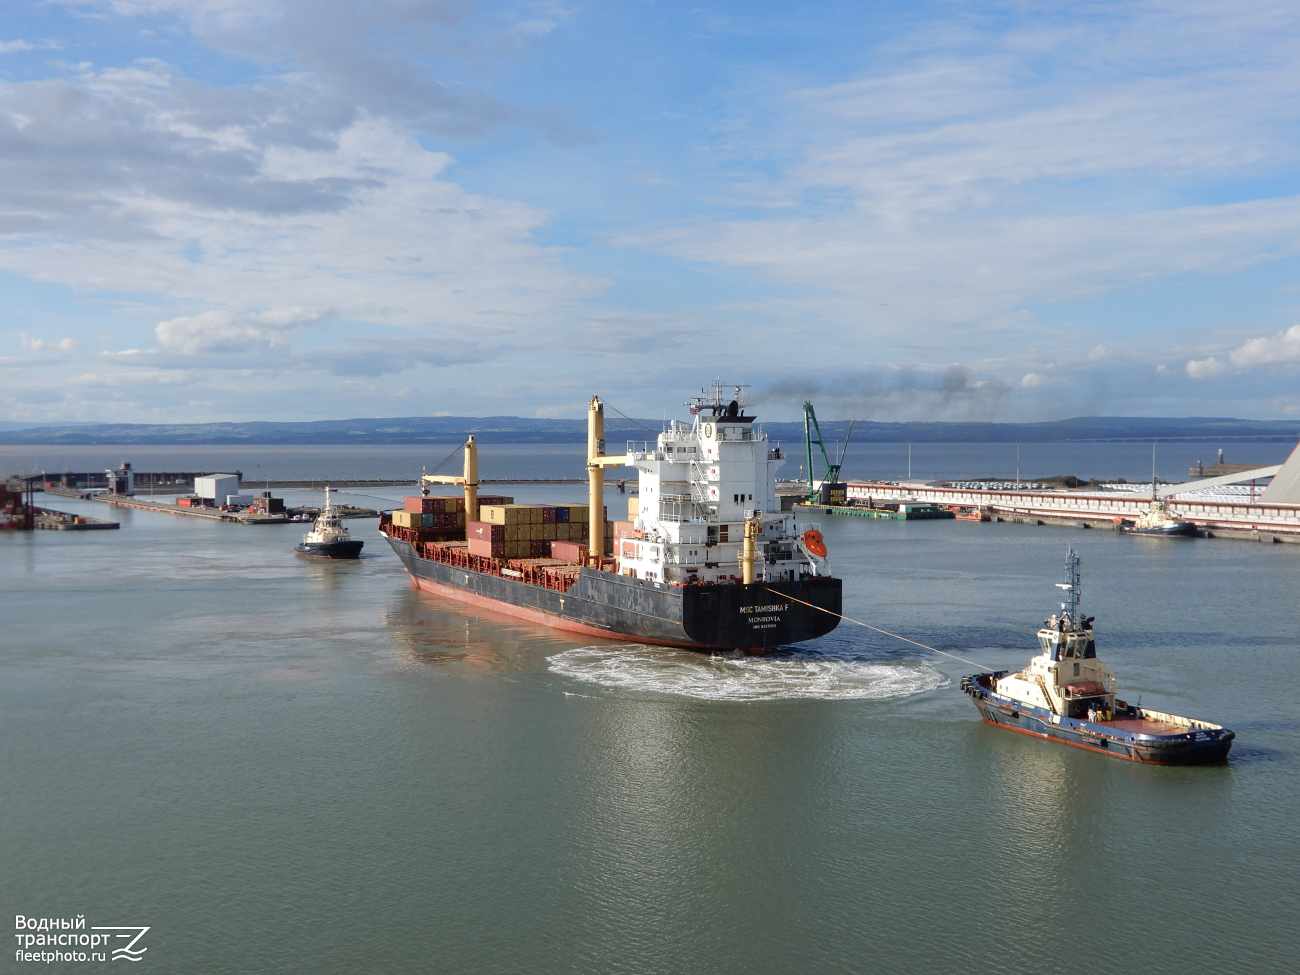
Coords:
pixel 311 209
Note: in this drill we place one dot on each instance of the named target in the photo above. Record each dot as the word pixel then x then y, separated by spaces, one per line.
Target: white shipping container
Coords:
pixel 215 486
pixel 239 500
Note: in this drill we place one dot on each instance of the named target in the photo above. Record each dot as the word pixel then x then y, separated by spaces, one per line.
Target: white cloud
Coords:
pixel 40 345
pixel 225 332
pixel 1281 348
pixel 1031 379
pixel 1205 368
pixel 7 47
pixel 969 176
pixel 1100 354
pixel 129 182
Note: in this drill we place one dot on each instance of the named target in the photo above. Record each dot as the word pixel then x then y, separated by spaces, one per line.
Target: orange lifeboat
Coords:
pixel 813 541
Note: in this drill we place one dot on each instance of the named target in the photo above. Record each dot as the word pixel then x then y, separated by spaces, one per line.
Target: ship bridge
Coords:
pixel 703 486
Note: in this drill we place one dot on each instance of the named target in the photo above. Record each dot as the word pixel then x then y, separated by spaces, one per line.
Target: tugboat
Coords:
pixel 328 539
pixel 1067 695
pixel 1159 520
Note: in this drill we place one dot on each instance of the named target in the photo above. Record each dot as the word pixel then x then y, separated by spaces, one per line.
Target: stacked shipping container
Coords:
pixel 505 530
pixel 434 519
pixel 516 531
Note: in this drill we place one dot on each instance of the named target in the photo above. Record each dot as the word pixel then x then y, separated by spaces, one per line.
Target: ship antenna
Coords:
pixel 1071 585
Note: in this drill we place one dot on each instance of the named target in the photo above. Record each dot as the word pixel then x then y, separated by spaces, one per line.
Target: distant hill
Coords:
pixel 514 429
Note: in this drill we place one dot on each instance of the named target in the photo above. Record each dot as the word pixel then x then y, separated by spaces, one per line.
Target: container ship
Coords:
pixel 706 560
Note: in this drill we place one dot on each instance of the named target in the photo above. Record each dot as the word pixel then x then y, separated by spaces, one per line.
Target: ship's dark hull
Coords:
pixel 603 604
pixel 1184 529
pixel 1192 747
pixel 349 548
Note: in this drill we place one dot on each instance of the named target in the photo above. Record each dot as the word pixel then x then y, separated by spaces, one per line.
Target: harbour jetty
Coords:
pixel 64 521
pixel 1215 515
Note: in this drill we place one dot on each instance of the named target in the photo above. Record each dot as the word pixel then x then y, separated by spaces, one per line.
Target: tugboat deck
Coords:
pixel 1143 726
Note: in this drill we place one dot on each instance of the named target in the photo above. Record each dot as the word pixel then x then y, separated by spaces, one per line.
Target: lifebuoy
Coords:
pixel 813 542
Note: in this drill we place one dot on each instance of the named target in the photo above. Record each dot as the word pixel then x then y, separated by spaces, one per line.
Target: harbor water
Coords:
pixel 282 765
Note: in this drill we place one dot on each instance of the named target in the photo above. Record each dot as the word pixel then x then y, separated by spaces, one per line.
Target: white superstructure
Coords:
pixel 1066 678
pixel 703 486
pixel 328 528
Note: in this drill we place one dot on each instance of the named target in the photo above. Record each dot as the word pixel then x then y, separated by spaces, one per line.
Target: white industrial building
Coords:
pixel 216 487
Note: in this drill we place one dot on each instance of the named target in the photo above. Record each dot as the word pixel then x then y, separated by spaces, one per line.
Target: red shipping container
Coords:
pixel 539 549
pixel 569 551
pixel 483 531
pixel 485 548
pixel 432 505
pixel 548 514
pixel 625 529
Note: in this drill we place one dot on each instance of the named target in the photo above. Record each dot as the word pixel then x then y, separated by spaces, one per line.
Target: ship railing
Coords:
pixel 732 433
pixel 644 450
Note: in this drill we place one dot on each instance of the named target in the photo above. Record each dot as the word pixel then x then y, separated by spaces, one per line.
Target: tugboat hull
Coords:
pixel 1135 734
pixel 1184 529
pixel 349 548
pixel 605 604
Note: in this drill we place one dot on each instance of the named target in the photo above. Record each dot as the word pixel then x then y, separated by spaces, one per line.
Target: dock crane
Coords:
pixel 811 427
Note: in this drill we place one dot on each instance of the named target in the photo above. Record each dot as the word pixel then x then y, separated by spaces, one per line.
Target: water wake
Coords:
pixel 736 677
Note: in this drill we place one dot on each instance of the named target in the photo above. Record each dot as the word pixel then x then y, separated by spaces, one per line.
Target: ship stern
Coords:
pixel 761 615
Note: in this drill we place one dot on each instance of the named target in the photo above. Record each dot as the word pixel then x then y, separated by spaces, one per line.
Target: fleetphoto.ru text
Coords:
pixel 51 939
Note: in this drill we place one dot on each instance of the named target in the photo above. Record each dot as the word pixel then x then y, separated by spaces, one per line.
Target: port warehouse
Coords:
pixel 1213 514
pixel 178 482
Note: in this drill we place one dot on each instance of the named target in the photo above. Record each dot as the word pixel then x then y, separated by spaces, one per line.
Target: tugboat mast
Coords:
pixel 1072 587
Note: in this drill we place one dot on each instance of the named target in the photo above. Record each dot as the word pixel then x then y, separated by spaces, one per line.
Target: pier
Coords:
pixel 212 514
pixel 1215 516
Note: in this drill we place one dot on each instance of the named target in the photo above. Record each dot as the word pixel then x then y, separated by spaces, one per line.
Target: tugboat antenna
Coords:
pixel 1071 585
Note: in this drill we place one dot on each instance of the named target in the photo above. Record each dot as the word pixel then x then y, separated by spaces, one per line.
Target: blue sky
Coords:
pixel 282 209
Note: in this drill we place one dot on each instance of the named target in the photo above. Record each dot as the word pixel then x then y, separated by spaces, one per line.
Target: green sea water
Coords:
pixel 286 766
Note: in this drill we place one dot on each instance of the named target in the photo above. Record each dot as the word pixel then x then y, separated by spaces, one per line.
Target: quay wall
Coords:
pixel 1212 514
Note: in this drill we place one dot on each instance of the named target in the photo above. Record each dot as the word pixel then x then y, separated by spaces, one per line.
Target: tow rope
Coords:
pixel 879 630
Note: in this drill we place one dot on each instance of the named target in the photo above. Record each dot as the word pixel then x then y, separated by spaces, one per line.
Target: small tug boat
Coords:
pixel 328 539
pixel 1158 520
pixel 1066 694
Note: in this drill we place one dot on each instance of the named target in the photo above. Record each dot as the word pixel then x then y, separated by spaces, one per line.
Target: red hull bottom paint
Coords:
pixel 538 617
pixel 1075 744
